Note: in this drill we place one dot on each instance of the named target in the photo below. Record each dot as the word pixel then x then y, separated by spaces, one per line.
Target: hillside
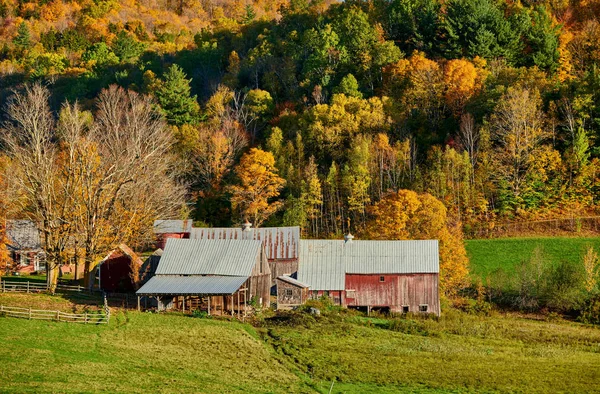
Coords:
pixel 142 352
pixel 490 106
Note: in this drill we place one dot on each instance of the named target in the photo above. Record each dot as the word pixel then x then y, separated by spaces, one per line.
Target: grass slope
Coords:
pixel 171 353
pixel 138 353
pixel 489 255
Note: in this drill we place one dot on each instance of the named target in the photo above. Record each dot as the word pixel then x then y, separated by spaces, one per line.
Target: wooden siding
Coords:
pixel 337 296
pixel 116 274
pixel 162 238
pixel 395 291
pixel 280 267
pixel 298 297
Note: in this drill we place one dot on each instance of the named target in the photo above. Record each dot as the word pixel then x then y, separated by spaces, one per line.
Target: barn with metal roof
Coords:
pixel 402 276
pixel 219 275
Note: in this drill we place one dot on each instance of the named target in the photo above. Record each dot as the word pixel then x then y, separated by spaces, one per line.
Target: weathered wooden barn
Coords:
pixel 290 292
pixel 165 229
pixel 221 276
pixel 280 243
pixel 119 270
pixel 24 246
pixel 400 276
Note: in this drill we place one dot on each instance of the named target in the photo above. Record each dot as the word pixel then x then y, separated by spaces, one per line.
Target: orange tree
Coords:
pixel 408 215
pixel 259 183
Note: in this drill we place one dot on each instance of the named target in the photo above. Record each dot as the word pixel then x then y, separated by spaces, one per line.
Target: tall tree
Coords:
pixel 259 185
pixel 174 97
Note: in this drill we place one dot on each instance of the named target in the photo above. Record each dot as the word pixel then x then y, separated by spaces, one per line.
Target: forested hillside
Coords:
pixel 310 112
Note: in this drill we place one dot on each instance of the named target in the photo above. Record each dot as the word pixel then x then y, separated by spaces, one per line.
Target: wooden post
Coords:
pixel 3 285
pixel 86 318
pixel 57 315
pixel 28 286
pixel 208 305
pixel 138 303
pixel 29 313
pixel 238 311
pixel 245 301
pixel 368 311
pixel 183 304
pixel 232 305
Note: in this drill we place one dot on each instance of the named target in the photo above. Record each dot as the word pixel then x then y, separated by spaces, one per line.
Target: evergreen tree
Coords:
pixel 174 96
pixel 250 14
pixel 126 47
pixel 23 38
pixel 542 40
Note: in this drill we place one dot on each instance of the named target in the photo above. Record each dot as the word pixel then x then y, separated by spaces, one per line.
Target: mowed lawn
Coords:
pixel 489 255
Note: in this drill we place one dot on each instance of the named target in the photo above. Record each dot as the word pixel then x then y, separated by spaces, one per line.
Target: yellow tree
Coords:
pixel 408 215
pixel 462 82
pixel 259 185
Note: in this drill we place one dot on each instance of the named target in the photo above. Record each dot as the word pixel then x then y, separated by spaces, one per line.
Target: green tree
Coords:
pixel 126 47
pixel 413 24
pixel 479 28
pixel 23 37
pixel 174 97
pixel 100 54
pixel 348 86
pixel 542 40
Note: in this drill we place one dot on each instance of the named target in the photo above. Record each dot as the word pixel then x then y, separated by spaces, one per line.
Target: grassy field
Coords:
pixel 143 352
pixel 489 255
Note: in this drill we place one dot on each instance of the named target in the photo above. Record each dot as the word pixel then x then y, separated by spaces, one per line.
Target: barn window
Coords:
pixel 382 278
pixel 350 293
pixel 405 309
pixel 288 292
pixel 423 308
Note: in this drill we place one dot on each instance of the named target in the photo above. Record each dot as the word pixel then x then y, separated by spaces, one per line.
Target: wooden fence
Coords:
pixel 35 287
pixel 40 314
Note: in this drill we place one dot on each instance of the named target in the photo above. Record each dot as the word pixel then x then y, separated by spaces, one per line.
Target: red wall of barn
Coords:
pixel 114 275
pixel 395 291
pixel 162 238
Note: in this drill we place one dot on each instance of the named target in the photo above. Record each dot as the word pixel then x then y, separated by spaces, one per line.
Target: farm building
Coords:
pixel 148 268
pixel 24 246
pixel 119 270
pixel 280 244
pixel 401 276
pixel 290 292
pixel 220 275
pixel 165 229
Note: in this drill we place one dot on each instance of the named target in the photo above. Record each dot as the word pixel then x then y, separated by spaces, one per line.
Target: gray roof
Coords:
pixel 292 281
pixel 208 257
pixel 279 242
pixel 172 226
pixel 192 285
pixel 324 263
pixel 23 235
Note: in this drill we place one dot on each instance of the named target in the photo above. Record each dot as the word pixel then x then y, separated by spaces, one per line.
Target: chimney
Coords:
pixel 246 226
pixel 348 238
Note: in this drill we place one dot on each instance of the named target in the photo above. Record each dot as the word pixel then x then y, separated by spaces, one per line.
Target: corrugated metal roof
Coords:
pixel 208 257
pixel 23 235
pixel 172 226
pixel 324 263
pixel 192 285
pixel 279 242
pixel 292 281
pixel 320 266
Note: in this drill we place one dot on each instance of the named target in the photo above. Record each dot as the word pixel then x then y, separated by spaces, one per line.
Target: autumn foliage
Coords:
pixel 407 215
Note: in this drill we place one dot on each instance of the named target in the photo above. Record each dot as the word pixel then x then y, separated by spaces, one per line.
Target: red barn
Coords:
pixel 119 271
pixel 400 276
pixel 165 229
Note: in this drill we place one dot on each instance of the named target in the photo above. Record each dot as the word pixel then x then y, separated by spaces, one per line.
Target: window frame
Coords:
pixel 423 307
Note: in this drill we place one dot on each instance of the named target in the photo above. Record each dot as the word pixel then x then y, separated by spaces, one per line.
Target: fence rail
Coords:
pixel 36 287
pixel 40 314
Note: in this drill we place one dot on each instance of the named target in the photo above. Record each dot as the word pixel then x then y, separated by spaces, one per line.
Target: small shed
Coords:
pixel 400 276
pixel 217 275
pixel 119 270
pixel 24 246
pixel 165 229
pixel 290 292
